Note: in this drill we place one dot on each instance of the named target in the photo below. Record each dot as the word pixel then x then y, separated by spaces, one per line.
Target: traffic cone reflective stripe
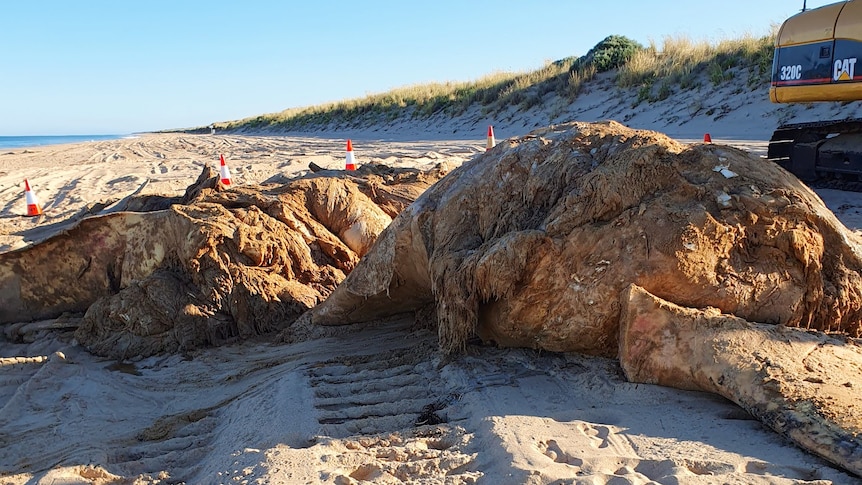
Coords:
pixel 707 138
pixel 350 162
pixel 33 208
pixel 224 172
pixel 491 140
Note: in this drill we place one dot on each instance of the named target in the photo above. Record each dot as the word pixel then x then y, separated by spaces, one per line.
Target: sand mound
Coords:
pixel 216 266
pixel 531 244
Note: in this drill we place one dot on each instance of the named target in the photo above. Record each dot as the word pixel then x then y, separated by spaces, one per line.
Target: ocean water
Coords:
pixel 7 142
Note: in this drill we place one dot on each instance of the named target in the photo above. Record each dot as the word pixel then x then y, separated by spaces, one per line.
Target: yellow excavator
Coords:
pixel 816 56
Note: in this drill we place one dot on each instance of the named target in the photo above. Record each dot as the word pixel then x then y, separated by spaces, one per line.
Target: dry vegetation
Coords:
pixel 654 71
pixel 681 63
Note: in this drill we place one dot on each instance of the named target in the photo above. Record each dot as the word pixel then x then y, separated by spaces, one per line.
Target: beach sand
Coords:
pixel 372 403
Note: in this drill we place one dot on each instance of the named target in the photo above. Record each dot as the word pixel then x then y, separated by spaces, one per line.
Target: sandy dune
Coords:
pixel 373 403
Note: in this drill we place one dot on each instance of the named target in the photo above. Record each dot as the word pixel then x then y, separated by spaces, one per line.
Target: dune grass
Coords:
pixel 680 64
pixel 654 71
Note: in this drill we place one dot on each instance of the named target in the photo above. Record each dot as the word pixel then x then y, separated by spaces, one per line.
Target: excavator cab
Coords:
pixel 816 53
pixel 818 57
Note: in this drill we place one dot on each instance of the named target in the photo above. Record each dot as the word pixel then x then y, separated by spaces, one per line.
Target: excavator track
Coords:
pixel 823 154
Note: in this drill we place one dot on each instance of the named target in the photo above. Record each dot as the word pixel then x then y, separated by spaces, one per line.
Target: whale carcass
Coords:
pixel 214 266
pixel 566 239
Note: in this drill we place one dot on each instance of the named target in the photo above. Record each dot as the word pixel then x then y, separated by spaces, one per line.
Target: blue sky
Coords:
pixel 121 66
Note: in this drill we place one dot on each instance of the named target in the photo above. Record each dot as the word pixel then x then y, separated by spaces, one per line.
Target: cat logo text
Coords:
pixel 844 69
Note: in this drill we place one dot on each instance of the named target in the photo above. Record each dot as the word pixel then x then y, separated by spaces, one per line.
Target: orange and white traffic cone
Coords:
pixel 350 162
pixel 491 140
pixel 707 138
pixel 33 208
pixel 223 171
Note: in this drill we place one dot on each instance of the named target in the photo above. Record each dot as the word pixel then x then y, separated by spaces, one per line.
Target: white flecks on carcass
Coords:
pixel 722 169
